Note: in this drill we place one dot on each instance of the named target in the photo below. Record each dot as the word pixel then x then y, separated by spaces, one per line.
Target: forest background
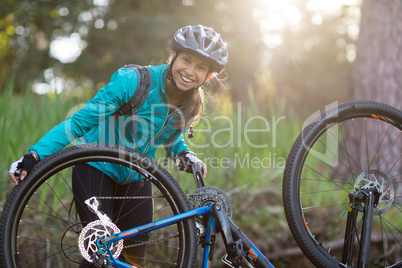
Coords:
pixel 287 60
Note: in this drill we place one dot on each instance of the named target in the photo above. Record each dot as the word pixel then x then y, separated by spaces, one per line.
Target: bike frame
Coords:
pixel 214 222
pixel 238 247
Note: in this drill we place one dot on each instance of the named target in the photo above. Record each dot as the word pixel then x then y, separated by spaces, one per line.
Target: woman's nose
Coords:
pixel 190 69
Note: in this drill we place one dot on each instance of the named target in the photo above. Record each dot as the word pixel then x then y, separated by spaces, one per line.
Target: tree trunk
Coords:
pixel 377 70
pixel 377 75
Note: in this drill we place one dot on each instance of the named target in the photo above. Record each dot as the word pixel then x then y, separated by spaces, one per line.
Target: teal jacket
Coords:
pixel 96 123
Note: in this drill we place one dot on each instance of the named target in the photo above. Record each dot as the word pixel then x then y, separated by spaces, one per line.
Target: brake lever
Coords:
pixel 18 172
pixel 197 173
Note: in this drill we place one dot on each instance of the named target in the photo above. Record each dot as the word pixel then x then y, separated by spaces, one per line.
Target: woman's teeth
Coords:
pixel 185 79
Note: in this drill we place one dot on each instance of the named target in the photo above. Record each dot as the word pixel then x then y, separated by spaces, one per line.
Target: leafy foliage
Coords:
pixel 34 25
pixel 116 33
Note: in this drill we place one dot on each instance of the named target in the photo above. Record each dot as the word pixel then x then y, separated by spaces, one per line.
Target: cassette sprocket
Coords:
pixel 204 196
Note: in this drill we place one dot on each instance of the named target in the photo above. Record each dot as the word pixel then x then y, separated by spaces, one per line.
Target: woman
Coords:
pixel 174 103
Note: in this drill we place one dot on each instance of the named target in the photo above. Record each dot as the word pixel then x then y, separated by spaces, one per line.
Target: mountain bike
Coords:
pixel 341 191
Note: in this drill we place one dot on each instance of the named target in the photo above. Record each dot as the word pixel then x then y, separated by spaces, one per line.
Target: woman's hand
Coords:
pixel 21 168
pixel 184 161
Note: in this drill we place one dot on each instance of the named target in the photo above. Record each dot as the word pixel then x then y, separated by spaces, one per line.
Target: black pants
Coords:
pixel 125 213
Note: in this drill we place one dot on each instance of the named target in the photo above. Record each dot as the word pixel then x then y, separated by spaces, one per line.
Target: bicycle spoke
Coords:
pixel 324 206
pixel 48 214
pixel 321 175
pixel 343 148
pixel 318 180
pixel 389 151
pixel 379 145
pixel 342 215
pixel 357 145
pixel 394 164
pixel 336 213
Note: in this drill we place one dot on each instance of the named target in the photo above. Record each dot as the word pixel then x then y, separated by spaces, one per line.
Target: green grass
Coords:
pixel 24 119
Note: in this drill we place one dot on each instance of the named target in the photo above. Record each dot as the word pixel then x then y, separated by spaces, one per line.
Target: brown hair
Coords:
pixel 192 108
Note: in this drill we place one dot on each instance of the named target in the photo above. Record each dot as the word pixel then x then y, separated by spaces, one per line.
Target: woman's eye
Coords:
pixel 202 68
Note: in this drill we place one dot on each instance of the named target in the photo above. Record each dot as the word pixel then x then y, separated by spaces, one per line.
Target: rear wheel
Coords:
pixel 349 147
pixel 40 226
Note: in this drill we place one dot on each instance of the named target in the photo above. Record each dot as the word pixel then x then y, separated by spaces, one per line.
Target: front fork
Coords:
pixel 240 250
pixel 218 220
pixel 363 200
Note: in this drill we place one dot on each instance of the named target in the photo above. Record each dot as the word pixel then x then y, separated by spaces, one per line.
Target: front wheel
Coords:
pixel 349 147
pixel 40 226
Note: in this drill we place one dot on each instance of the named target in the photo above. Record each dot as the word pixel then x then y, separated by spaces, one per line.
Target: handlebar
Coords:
pixel 197 173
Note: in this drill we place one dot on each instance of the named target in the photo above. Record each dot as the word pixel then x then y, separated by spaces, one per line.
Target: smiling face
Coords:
pixel 189 71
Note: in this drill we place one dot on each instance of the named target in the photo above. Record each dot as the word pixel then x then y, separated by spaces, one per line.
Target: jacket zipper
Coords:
pixel 167 119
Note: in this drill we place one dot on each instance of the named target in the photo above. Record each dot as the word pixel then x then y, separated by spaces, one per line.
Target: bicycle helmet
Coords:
pixel 203 40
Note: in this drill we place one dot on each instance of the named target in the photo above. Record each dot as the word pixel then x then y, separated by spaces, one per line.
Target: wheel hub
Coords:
pixel 383 184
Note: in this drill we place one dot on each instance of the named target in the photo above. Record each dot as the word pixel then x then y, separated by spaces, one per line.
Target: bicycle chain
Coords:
pixel 129 197
pixel 144 197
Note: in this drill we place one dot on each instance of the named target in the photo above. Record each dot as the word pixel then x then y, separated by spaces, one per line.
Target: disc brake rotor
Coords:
pixel 384 185
pixel 97 230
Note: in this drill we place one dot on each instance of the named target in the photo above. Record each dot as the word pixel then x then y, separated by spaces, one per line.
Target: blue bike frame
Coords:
pixel 255 256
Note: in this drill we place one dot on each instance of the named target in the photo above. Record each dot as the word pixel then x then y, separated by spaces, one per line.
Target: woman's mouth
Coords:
pixel 186 79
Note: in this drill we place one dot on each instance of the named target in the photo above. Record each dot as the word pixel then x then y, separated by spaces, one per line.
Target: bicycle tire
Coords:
pixel 39 226
pixel 330 158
